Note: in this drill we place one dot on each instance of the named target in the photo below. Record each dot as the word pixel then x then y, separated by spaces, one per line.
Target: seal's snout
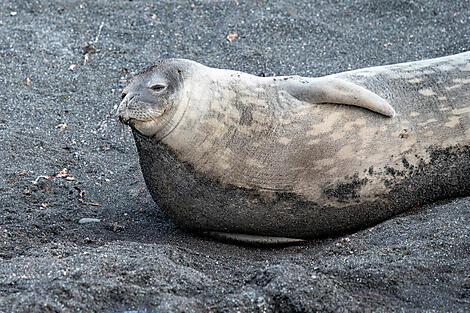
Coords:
pixel 122 112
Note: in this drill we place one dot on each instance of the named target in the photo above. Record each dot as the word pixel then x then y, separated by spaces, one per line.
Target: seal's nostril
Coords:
pixel 129 97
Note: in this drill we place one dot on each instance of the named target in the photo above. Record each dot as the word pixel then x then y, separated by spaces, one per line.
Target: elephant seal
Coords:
pixel 282 159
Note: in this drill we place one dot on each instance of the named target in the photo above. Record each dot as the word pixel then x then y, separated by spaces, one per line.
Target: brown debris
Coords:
pixel 91 203
pixel 63 173
pixel 89 49
pixel 117 228
pixel 232 36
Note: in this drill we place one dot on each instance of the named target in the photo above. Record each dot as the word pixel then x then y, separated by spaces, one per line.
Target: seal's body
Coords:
pixel 228 152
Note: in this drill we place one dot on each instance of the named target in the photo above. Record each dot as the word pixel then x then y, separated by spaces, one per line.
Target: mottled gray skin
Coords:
pixel 227 152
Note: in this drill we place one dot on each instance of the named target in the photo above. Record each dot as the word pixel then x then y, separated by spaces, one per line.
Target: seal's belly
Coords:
pixel 194 201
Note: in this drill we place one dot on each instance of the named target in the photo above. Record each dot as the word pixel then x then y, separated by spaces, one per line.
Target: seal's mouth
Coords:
pixel 141 118
pixel 146 128
pixel 129 121
pixel 124 120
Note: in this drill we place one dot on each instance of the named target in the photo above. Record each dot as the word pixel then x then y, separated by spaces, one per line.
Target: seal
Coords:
pixel 282 159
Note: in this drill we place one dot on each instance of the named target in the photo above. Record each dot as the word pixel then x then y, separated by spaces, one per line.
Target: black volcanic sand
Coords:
pixel 57 97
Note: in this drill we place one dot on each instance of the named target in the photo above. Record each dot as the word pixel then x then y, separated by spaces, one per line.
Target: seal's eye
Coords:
pixel 158 87
pixel 123 95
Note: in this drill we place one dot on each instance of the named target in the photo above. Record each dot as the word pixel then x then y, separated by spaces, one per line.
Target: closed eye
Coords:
pixel 158 87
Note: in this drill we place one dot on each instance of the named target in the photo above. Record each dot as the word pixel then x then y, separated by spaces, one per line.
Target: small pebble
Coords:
pixel 88 220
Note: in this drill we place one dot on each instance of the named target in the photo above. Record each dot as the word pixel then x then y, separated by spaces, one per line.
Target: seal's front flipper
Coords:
pixel 334 90
pixel 253 239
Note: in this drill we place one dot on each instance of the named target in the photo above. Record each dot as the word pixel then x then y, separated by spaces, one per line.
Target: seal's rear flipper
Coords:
pixel 253 239
pixel 334 90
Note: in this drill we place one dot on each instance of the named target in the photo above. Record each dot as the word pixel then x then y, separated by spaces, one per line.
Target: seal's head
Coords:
pixel 152 100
